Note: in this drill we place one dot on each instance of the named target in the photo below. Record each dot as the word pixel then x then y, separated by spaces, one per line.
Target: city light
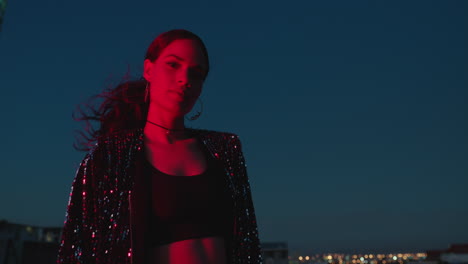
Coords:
pixel 375 258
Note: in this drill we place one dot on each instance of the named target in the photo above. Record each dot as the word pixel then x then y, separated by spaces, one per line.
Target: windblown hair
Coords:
pixel 124 107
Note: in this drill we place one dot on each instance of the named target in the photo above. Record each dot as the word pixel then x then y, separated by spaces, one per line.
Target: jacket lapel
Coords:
pixel 139 209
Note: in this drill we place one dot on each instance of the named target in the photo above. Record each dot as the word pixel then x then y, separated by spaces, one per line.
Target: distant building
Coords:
pixel 434 255
pixel 275 252
pixel 455 254
pixel 28 244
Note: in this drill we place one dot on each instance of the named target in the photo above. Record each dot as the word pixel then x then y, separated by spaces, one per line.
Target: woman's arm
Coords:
pixel 250 238
pixel 76 245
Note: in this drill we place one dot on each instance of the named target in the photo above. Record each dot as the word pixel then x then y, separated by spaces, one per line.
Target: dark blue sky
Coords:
pixel 352 114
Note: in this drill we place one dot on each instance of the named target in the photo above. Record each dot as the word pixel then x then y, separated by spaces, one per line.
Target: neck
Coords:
pixel 156 133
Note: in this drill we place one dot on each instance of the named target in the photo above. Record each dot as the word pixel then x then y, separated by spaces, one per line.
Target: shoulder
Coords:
pixel 121 135
pixel 122 140
pixel 225 141
pixel 214 134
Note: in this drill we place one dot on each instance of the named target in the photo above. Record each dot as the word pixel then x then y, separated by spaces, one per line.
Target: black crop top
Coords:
pixel 184 207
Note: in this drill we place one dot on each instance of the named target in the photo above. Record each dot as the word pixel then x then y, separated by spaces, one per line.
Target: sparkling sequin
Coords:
pixel 97 226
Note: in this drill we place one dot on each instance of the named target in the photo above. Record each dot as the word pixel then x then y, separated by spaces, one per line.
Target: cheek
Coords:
pixel 162 81
pixel 197 90
pixel 163 73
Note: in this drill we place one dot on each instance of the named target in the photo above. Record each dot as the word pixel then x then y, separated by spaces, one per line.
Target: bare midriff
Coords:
pixel 205 250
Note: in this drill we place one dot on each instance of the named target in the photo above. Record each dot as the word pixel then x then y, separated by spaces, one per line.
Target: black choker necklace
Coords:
pixel 169 130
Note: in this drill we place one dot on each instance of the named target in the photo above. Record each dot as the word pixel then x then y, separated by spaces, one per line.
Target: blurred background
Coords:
pixel 352 115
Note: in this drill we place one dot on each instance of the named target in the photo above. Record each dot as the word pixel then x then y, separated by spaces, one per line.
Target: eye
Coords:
pixel 172 64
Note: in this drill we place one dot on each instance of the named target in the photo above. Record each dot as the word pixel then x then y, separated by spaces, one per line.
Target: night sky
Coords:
pixel 352 114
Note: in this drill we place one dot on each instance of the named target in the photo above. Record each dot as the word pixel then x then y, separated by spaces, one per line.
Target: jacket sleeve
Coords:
pixel 78 231
pixel 251 242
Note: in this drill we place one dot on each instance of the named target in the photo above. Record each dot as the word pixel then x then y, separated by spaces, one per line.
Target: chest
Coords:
pixel 187 159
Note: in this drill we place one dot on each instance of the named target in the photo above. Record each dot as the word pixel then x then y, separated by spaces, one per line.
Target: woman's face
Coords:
pixel 182 62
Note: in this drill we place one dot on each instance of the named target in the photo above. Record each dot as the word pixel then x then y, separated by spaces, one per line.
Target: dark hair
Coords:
pixel 124 106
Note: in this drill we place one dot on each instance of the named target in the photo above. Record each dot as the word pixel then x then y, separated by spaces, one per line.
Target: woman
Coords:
pixel 152 190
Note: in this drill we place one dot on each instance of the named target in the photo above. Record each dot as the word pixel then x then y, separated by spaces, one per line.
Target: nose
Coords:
pixel 184 80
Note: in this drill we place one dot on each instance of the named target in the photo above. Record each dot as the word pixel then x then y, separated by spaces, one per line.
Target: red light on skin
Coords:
pixel 179 96
pixel 198 250
pixel 175 80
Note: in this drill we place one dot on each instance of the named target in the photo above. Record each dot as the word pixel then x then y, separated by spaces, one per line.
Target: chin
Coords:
pixel 181 112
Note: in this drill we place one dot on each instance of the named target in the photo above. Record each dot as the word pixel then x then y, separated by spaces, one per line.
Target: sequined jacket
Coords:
pixel 106 219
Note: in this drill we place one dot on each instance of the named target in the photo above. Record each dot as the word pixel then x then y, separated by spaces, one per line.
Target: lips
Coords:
pixel 181 95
